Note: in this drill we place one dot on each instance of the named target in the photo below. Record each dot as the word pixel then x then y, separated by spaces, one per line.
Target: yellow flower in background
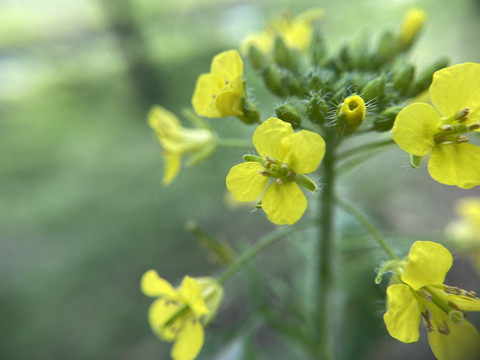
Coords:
pixel 220 92
pixel 284 157
pixel 179 314
pixel 420 129
pixel 296 32
pixel 177 141
pixel 419 293
pixel 411 26
pixel 465 231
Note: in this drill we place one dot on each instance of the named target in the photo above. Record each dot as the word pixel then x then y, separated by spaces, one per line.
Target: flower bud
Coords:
pixel 385 120
pixel 350 114
pixel 317 109
pixel 387 47
pixel 374 89
pixel 288 114
pixel 283 55
pixel 272 80
pixel 411 26
pixel 425 78
pixel 403 77
pixel 250 113
pixel 257 59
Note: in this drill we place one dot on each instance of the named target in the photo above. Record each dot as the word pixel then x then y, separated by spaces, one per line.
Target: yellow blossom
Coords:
pixel 351 113
pixel 219 93
pixel 417 292
pixel 465 231
pixel 284 157
pixel 411 26
pixel 420 129
pixel 177 141
pixel 179 314
pixel 296 32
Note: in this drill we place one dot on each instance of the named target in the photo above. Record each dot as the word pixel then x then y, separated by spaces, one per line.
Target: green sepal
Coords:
pixel 388 266
pixel 250 113
pixel 384 121
pixel 403 77
pixel 415 161
pixel 425 78
pixel 317 109
pixel 305 182
pixel 254 158
pixel 374 89
pixel 257 59
pixel 284 57
pixel 288 114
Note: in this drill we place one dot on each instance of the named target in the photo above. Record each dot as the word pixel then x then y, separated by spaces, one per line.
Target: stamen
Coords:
pixel 227 82
pixel 462 115
pixel 264 173
pixel 474 127
pixel 444 329
pixel 213 96
pixel 461 139
pixel 270 159
pixel 426 321
pixel 446 127
pixel 284 166
pixel 279 181
pixel 439 139
pixel 426 295
pixel 291 175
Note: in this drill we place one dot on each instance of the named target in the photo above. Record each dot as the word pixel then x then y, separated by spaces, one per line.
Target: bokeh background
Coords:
pixel 83 213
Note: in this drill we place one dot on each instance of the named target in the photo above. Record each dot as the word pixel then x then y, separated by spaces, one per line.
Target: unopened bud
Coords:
pixel 403 77
pixel 283 55
pixel 317 109
pixel 374 89
pixel 257 59
pixel 272 80
pixel 250 113
pixel 425 78
pixel 288 114
pixel 385 120
pixel 411 26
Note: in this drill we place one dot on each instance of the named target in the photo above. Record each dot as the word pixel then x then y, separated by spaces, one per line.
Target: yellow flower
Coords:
pixel 295 32
pixel 177 141
pixel 284 157
pixel 220 92
pixel 419 129
pixel 180 314
pixel 411 26
pixel 465 231
pixel 351 113
pixel 417 292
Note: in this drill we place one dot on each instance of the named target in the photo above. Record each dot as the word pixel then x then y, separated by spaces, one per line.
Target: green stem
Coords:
pixel 367 225
pixel 365 147
pixel 267 240
pixel 324 270
pixel 234 143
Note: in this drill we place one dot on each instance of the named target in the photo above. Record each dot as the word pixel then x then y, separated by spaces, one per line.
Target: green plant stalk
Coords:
pixel 234 143
pixel 264 242
pixel 324 270
pixel 362 219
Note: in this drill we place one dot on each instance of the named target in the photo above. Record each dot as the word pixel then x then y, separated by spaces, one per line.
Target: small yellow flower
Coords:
pixel 295 32
pixel 351 113
pixel 284 157
pixel 417 292
pixel 179 314
pixel 465 231
pixel 411 26
pixel 220 92
pixel 419 129
pixel 177 140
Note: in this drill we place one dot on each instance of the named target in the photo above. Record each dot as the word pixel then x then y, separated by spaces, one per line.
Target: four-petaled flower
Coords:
pixel 417 292
pixel 177 140
pixel 222 91
pixel 284 157
pixel 419 129
pixel 296 32
pixel 180 314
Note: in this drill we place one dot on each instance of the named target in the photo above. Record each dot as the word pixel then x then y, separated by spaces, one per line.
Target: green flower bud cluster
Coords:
pixel 315 83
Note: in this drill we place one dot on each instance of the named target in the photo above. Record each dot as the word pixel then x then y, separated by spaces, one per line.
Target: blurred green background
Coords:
pixel 83 212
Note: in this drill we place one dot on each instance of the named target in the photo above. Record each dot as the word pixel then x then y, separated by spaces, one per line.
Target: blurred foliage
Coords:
pixel 83 213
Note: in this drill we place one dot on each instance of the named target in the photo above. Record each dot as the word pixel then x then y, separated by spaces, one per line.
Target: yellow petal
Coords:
pixel 268 135
pixel 455 88
pixel 245 182
pixel 206 89
pixel 304 151
pixel 403 315
pixel 191 293
pixel 228 65
pixel 154 285
pixel 229 103
pixel 415 127
pixel 284 204
pixel 189 341
pixel 428 263
pixel 162 311
pixel 172 167
pixel 160 119
pixel 465 303
pixel 461 342
pixel 456 164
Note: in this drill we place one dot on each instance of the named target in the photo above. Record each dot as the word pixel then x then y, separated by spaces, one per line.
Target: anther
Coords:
pixel 474 127
pixel 284 166
pixel 461 139
pixel 439 139
pixel 291 175
pixel 227 82
pixel 462 115
pixel 446 127
pixel 264 173
pixel 426 295
pixel 444 329
pixel 279 181
pixel 213 96
pixel 426 322
pixel 270 159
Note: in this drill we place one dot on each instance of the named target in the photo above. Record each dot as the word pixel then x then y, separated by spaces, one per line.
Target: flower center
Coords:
pixel 453 128
pixel 281 171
